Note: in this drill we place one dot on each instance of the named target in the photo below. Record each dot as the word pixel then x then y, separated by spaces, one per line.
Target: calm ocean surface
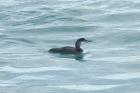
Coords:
pixel 110 63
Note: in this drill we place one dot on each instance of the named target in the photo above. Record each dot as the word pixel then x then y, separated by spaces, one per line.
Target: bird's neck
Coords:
pixel 77 46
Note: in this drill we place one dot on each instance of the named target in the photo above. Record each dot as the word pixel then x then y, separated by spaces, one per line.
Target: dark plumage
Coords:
pixel 70 50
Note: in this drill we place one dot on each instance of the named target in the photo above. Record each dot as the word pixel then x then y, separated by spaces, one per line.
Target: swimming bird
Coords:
pixel 70 50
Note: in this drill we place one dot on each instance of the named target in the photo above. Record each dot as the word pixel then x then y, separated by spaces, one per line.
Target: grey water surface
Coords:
pixel 109 64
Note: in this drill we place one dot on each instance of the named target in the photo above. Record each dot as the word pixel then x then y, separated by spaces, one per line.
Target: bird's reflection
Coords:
pixel 78 57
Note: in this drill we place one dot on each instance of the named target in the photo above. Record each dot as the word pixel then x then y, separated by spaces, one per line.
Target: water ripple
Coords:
pixel 29 28
pixel 122 76
pixel 33 70
pixel 85 87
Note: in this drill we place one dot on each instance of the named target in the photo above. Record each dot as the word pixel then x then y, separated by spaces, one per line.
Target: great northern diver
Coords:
pixel 70 50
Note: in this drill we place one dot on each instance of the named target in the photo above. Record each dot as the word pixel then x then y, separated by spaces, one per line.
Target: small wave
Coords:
pixel 7 85
pixel 123 76
pixel 85 87
pixel 31 77
pixel 7 2
pixel 119 59
pixel 21 40
pixel 32 70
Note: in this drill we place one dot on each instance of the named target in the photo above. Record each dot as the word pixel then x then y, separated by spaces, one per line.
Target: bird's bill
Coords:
pixel 88 41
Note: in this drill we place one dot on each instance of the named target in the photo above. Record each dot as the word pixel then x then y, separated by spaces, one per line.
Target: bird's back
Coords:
pixel 64 50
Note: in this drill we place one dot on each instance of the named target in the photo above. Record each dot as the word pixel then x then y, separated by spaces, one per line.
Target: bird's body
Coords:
pixel 66 50
pixel 69 49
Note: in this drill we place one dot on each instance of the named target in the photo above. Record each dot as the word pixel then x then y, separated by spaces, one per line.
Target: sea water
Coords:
pixel 109 64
